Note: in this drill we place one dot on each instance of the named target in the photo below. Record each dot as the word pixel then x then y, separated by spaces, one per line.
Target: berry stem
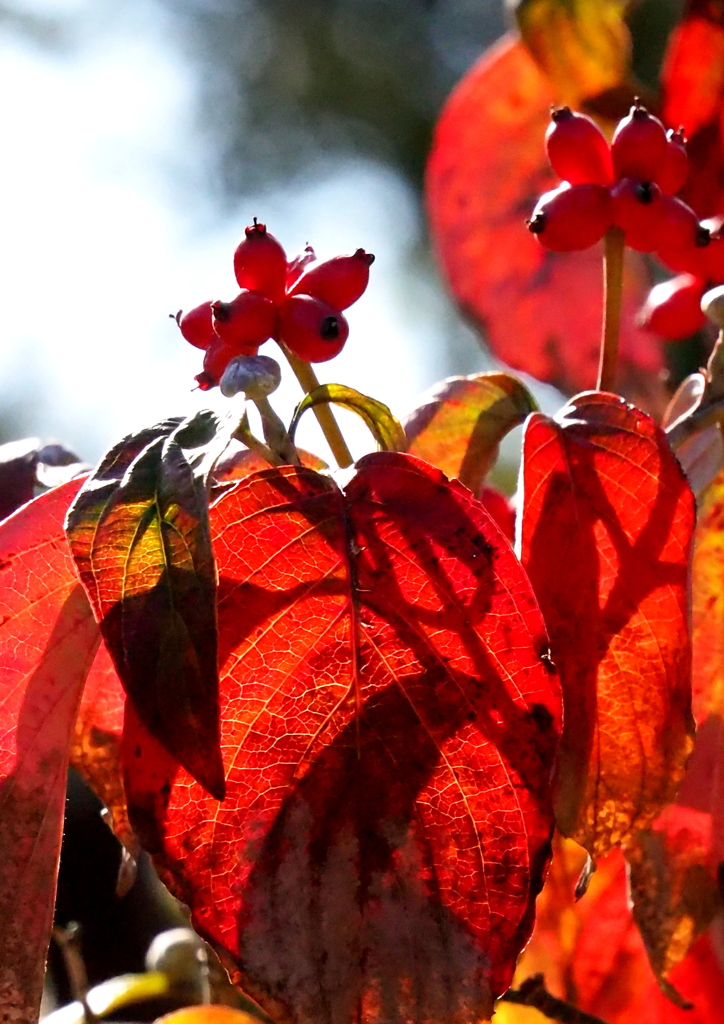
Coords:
pixel 612 292
pixel 325 417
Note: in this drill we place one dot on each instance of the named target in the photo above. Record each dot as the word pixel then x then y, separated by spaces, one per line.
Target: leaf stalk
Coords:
pixel 533 992
pixel 325 417
pixel 612 296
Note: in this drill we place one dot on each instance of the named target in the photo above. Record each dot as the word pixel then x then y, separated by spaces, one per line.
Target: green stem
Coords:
pixel 325 417
pixel 612 293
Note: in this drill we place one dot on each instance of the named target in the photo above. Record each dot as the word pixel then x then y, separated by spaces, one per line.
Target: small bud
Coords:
pixel 712 304
pixel 181 955
pixel 256 376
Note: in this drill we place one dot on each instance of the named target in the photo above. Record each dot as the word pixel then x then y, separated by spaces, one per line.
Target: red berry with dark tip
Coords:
pixel 339 281
pixel 673 308
pixel 675 168
pixel 204 381
pixel 712 257
pixel 311 328
pixel 639 145
pixel 577 149
pixel 196 326
pixel 572 217
pixel 260 263
pixel 680 227
pixel 636 210
pixel 216 360
pixel 245 322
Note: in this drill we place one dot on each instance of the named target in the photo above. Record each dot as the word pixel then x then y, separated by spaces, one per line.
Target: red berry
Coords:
pixel 639 146
pixel 245 322
pixel 572 217
pixel 577 149
pixel 313 330
pixel 260 263
pixel 196 326
pixel 673 308
pixel 636 210
pixel 712 257
pixel 680 227
pixel 295 269
pixel 686 261
pixel 675 168
pixel 204 381
pixel 215 361
pixel 339 281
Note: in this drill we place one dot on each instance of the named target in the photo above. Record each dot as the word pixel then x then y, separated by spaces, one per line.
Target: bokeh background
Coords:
pixel 141 137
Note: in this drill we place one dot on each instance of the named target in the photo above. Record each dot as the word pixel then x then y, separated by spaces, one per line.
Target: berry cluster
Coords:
pixel 298 303
pixel 630 184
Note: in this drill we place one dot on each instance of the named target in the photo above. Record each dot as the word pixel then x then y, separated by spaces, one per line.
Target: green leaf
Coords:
pixel 139 534
pixel 461 421
pixel 385 428
pixel 583 46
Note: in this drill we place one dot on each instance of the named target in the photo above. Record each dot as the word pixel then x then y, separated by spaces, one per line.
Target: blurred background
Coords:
pixel 139 139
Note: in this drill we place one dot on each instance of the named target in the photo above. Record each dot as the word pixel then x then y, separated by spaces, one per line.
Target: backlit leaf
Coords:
pixel 674 864
pixel 385 428
pixel 48 639
pixel 95 753
pixel 673 887
pixel 592 955
pixel 606 531
pixel 139 533
pixel 540 311
pixel 461 421
pixel 693 93
pixel 582 46
pixel 390 720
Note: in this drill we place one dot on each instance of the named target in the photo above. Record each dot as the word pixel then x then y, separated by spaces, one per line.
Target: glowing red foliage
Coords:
pixel 693 92
pixel 601 484
pixel 389 720
pixel 48 639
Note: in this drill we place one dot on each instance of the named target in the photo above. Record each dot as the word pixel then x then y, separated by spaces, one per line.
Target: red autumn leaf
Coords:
pixel 486 171
pixel 592 955
pixel 693 93
pixel 48 639
pixel 389 725
pixel 611 974
pixel 460 422
pixel 95 753
pixel 601 484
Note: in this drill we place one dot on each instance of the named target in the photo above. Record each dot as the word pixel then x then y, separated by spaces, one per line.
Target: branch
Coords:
pixel 533 992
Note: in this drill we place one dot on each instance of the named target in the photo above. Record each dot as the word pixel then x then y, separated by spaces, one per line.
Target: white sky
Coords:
pixel 96 248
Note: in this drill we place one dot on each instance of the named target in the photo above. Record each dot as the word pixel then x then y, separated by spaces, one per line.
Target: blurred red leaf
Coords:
pixel 592 954
pixel 540 311
pixel 389 724
pixel 601 484
pixel 693 93
pixel 48 639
